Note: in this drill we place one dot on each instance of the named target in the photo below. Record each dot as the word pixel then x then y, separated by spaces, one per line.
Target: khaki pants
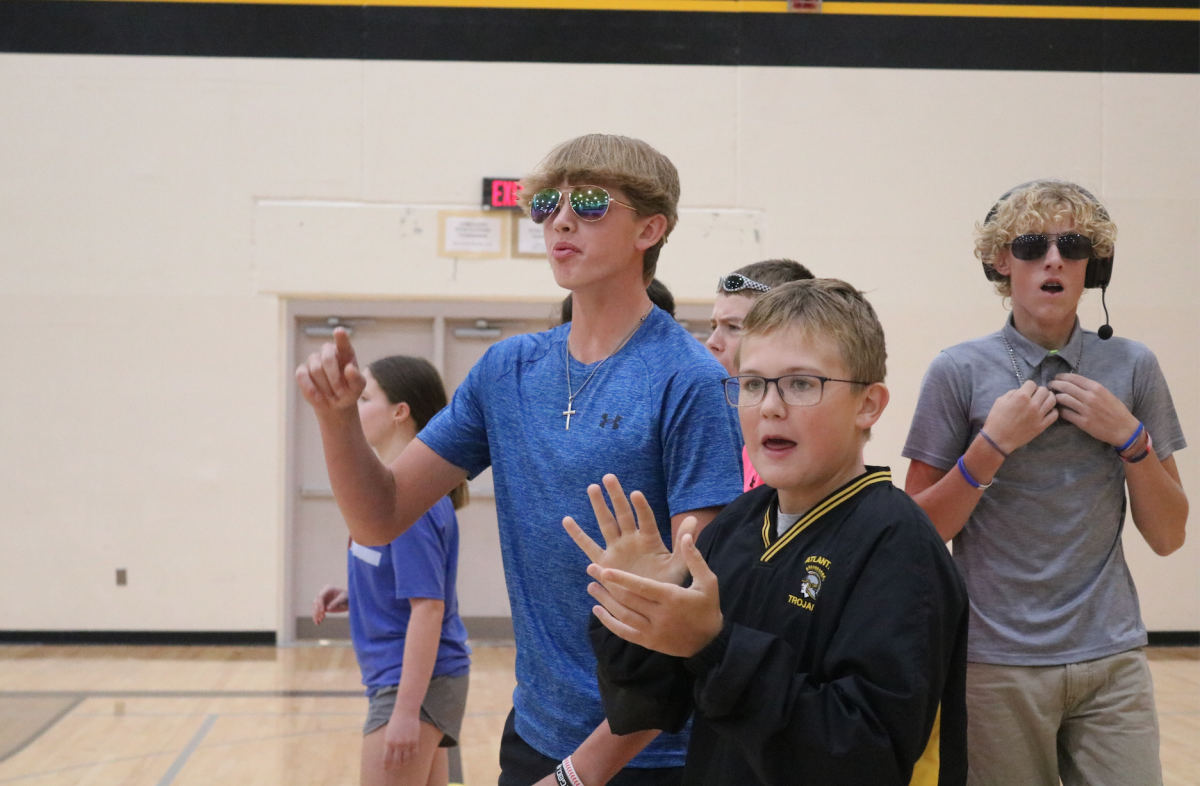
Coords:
pixel 1090 724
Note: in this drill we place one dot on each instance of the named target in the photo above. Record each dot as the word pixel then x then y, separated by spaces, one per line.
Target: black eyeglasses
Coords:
pixel 736 282
pixel 1030 248
pixel 798 390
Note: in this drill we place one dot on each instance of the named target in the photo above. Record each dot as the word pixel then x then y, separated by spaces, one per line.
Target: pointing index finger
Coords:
pixel 345 351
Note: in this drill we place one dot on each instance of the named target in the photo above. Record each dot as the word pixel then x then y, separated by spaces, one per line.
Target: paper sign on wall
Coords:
pixel 528 240
pixel 471 234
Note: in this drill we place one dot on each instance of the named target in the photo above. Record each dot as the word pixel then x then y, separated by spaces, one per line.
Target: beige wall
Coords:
pixel 154 211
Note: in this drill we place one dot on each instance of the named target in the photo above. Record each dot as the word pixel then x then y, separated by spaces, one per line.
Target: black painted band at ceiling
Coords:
pixel 626 37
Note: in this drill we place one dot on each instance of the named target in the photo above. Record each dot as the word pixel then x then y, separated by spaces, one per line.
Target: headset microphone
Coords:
pixel 1105 330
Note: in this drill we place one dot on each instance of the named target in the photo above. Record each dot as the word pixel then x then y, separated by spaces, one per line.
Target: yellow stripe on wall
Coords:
pixel 770 7
pixel 1016 11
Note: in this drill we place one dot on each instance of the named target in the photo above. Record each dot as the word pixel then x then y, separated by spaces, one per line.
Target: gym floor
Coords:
pixel 186 716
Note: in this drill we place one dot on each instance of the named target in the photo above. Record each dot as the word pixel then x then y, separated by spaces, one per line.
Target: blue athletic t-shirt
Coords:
pixel 421 563
pixel 653 414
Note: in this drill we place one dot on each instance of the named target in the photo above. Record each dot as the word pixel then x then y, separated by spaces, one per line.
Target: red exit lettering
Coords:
pixel 504 193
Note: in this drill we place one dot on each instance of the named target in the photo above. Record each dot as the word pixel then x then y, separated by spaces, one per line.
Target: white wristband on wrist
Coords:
pixel 569 769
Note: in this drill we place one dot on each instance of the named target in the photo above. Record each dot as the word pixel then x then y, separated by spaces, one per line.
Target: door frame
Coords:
pixel 693 315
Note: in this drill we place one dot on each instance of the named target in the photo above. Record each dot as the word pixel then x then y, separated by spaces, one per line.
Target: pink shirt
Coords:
pixel 750 478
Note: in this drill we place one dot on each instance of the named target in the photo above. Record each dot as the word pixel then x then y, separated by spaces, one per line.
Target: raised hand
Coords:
pixel 632 541
pixel 1020 415
pixel 658 615
pixel 330 380
pixel 331 600
pixel 1091 406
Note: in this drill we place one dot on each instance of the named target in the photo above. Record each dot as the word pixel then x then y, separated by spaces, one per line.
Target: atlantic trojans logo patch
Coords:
pixel 816 569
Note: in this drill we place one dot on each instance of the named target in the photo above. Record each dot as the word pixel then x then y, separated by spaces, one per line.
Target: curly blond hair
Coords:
pixel 1029 208
pixel 646 176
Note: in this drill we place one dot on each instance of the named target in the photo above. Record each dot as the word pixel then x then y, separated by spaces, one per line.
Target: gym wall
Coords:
pixel 172 174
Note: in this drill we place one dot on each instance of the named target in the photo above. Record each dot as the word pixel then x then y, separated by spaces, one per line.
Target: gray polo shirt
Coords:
pixel 1041 553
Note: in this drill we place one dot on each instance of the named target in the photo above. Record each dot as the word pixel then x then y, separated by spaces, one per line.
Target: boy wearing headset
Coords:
pixel 621 384
pixel 1023 445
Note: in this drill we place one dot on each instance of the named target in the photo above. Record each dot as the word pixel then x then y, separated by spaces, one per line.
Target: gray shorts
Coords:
pixel 443 708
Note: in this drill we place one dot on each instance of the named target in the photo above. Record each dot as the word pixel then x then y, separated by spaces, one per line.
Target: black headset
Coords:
pixel 1099 269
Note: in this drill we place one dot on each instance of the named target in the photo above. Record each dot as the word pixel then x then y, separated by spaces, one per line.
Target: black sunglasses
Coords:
pixel 1030 248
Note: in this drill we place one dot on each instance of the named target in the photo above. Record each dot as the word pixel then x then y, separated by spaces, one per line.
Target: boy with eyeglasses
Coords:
pixel 736 293
pixel 622 382
pixel 1022 445
pixel 822 637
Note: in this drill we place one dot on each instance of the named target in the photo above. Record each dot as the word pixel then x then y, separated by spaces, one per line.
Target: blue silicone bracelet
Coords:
pixel 967 476
pixel 1136 433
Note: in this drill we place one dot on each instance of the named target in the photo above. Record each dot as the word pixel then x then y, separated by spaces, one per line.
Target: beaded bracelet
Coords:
pixel 967 476
pixel 1136 433
pixel 1142 455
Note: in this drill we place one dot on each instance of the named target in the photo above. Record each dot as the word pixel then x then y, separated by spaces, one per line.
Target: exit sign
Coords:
pixel 500 193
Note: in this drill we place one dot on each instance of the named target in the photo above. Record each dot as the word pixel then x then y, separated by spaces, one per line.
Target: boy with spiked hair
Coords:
pixel 1023 445
pixel 549 412
pixel 822 637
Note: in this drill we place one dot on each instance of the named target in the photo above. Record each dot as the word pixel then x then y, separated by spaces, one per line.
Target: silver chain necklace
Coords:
pixel 569 411
pixel 1017 369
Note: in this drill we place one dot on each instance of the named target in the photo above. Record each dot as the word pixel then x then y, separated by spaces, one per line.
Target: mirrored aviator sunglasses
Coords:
pixel 1030 248
pixel 590 203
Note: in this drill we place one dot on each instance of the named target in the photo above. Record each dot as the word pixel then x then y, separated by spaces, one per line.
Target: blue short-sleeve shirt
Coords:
pixel 655 415
pixel 421 563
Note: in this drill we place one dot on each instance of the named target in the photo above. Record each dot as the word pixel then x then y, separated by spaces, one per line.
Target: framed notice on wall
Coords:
pixel 527 238
pixel 472 234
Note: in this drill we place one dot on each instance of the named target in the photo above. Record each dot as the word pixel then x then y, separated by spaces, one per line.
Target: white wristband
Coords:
pixel 569 769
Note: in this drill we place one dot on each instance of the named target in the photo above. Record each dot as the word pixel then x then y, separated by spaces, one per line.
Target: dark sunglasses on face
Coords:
pixel 590 203
pixel 736 282
pixel 1030 248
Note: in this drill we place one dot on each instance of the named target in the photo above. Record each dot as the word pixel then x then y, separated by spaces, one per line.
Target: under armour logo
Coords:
pixel 616 422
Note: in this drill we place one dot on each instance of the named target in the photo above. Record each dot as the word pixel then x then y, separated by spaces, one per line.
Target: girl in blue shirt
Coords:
pixel 407 635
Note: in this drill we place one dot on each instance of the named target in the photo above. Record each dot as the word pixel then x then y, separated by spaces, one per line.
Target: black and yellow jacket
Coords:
pixel 843 656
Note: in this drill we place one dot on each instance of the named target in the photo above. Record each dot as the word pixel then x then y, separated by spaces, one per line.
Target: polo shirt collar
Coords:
pixel 1033 354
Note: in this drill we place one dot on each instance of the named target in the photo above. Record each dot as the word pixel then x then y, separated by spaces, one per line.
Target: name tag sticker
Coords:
pixel 369 556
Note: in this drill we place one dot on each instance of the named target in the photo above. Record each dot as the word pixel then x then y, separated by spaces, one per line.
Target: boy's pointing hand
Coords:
pixel 664 617
pixel 330 380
